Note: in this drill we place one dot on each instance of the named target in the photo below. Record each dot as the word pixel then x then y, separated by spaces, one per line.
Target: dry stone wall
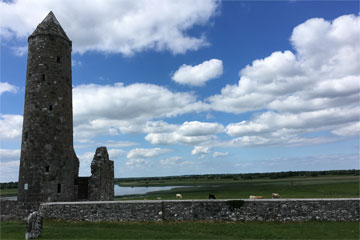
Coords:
pixel 15 210
pixel 182 210
pixel 223 210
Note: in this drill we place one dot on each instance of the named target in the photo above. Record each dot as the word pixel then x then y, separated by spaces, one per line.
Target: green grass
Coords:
pixel 305 187
pixel 8 192
pixel 187 230
pixel 293 187
pixel 204 180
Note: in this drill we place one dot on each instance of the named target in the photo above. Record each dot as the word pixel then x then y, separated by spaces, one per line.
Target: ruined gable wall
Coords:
pixel 101 181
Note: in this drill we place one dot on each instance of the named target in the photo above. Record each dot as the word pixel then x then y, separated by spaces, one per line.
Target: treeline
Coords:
pixel 277 175
pixel 271 175
pixel 9 185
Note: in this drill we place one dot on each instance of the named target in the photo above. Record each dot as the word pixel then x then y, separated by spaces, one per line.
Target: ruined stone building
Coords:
pixel 101 182
pixel 49 166
pixel 100 185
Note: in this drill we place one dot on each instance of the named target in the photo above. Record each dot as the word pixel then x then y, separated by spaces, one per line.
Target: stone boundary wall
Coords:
pixel 223 210
pixel 14 210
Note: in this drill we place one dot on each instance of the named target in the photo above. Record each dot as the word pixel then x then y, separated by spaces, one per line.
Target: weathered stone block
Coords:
pixel 34 226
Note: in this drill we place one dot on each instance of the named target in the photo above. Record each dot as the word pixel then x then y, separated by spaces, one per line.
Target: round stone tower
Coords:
pixel 48 164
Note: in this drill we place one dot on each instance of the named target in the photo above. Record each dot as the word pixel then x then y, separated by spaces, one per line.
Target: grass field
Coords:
pixel 292 187
pixel 8 192
pixel 299 187
pixel 200 188
pixel 186 230
pixel 211 181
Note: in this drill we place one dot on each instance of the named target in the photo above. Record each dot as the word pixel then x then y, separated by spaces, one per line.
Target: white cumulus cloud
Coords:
pixel 201 150
pixel 7 87
pixel 85 160
pixel 10 126
pixel 139 157
pixel 9 171
pixel 324 71
pixel 124 27
pixel 20 51
pixel 141 153
pixel 115 153
pixel 189 133
pixel 348 130
pixel 271 122
pixel 9 165
pixel 196 128
pixel 159 127
pixel 316 88
pixel 9 155
pixel 198 75
pixel 111 109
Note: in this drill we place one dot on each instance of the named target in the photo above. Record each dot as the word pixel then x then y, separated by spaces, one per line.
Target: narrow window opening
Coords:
pixel 47 168
pixel 26 186
pixel 50 108
pixel 58 59
pixel 43 77
pixel 26 136
pixel 59 188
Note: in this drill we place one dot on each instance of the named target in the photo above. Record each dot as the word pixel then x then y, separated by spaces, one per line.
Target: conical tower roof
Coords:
pixel 50 26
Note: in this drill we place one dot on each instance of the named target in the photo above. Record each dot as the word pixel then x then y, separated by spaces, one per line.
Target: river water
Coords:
pixel 122 191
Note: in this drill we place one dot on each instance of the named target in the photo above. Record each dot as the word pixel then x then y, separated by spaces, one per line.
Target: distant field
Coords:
pixel 294 187
pixel 8 192
pixel 204 180
pixel 347 186
pixel 186 230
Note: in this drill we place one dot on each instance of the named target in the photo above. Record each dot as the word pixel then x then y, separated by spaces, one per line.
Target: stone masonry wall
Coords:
pixel 15 210
pixel 48 163
pixel 223 210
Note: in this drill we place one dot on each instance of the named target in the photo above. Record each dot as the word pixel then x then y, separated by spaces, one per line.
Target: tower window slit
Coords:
pixel 26 136
pixel 47 168
pixel 50 107
pixel 58 59
pixel 59 188
pixel 43 77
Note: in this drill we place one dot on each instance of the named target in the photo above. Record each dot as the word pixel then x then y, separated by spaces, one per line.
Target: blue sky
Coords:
pixel 195 87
